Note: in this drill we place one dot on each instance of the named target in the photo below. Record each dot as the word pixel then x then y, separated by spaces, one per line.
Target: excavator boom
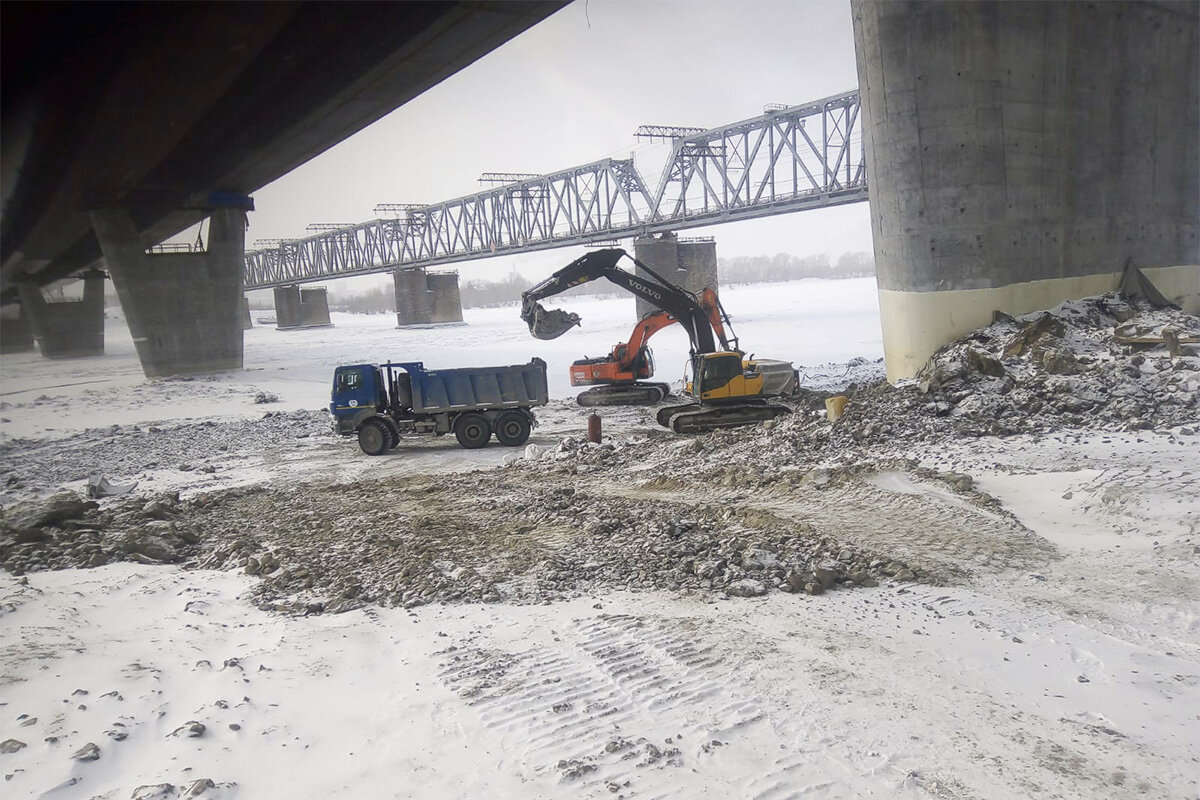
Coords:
pixel 550 324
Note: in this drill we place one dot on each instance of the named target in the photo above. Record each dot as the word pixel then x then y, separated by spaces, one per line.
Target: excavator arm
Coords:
pixel 699 322
pixel 626 353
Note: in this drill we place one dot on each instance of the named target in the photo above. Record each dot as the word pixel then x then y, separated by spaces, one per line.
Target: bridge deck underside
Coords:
pixel 152 107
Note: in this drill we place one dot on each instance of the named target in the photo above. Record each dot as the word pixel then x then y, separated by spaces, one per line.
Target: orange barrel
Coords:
pixel 594 428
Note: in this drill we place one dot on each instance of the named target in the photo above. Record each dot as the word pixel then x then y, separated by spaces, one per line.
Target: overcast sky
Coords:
pixel 572 90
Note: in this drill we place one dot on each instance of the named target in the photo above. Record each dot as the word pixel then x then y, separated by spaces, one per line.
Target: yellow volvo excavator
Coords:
pixel 725 388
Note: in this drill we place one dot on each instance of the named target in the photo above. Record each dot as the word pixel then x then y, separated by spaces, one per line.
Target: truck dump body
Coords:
pixel 467 388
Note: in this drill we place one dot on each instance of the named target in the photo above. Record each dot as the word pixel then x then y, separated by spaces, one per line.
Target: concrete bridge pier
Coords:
pixel 688 263
pixel 183 309
pixel 247 324
pixel 1020 154
pixel 16 334
pixel 425 298
pixel 67 328
pixel 413 304
pixel 445 300
pixel 297 307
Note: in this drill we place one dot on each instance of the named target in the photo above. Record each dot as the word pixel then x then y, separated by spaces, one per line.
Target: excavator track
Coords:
pixel 623 394
pixel 701 419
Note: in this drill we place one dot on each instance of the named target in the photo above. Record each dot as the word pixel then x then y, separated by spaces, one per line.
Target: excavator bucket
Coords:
pixel 548 323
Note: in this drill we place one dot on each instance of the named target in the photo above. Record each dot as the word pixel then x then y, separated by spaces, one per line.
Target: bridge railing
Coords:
pixel 806 156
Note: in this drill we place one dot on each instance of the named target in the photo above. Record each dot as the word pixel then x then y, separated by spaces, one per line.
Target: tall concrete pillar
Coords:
pixel 697 268
pixel 247 324
pixel 16 334
pixel 1020 154
pixel 287 306
pixel 661 254
pixel 690 264
pixel 184 309
pixel 413 301
pixel 297 307
pixel 67 328
pixel 314 307
pixel 445 300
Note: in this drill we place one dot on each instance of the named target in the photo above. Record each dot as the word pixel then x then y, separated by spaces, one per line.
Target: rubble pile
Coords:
pixel 1100 363
pixel 123 451
pixel 1078 366
pixel 786 505
pixel 470 539
pixel 66 530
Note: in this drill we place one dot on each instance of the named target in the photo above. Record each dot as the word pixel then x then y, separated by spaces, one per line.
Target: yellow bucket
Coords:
pixel 835 407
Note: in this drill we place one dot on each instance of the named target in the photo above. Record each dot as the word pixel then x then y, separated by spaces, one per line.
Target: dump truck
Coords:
pixel 379 402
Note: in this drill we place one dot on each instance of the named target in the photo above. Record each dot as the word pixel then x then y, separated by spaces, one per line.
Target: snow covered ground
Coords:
pixel 1064 663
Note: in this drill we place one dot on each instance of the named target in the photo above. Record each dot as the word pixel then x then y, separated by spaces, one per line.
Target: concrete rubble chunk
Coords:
pixel 58 507
pixel 747 587
pixel 89 752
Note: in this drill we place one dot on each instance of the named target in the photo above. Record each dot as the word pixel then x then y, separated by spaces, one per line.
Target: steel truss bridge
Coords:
pixel 790 159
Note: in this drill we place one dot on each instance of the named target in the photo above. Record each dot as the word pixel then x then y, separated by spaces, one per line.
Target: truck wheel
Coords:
pixel 393 432
pixel 373 437
pixel 472 431
pixel 512 429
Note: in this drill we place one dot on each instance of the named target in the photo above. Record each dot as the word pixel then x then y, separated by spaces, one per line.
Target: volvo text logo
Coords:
pixel 644 288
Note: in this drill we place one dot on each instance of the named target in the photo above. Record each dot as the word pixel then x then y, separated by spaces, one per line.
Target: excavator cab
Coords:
pixel 724 376
pixel 643 366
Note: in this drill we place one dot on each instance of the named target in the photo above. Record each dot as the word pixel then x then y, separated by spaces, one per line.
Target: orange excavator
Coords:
pixel 618 379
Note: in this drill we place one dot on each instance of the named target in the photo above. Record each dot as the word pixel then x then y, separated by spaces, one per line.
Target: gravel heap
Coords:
pixel 1042 372
pixel 1066 368
pixel 480 537
pixel 65 530
pixel 642 511
pixel 122 451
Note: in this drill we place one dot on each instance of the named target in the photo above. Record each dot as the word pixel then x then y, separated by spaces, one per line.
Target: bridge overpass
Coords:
pixel 126 123
pixel 786 160
pixel 1017 154
pixel 153 107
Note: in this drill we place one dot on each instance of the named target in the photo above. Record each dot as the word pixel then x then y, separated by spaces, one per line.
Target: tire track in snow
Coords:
pixel 622 704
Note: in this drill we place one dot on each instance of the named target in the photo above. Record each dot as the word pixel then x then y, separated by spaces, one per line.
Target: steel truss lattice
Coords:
pixel 800 157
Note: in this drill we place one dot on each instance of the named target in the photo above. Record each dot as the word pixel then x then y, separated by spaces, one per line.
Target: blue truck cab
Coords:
pixel 379 402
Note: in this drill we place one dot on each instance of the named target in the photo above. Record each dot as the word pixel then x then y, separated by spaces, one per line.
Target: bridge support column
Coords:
pixel 16 334
pixel 414 304
pixel 183 309
pixel 297 307
pixel 445 300
pixel 247 324
pixel 690 264
pixel 69 328
pixel 1020 154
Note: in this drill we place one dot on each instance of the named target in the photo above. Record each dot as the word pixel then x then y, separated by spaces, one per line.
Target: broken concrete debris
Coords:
pixel 733 513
